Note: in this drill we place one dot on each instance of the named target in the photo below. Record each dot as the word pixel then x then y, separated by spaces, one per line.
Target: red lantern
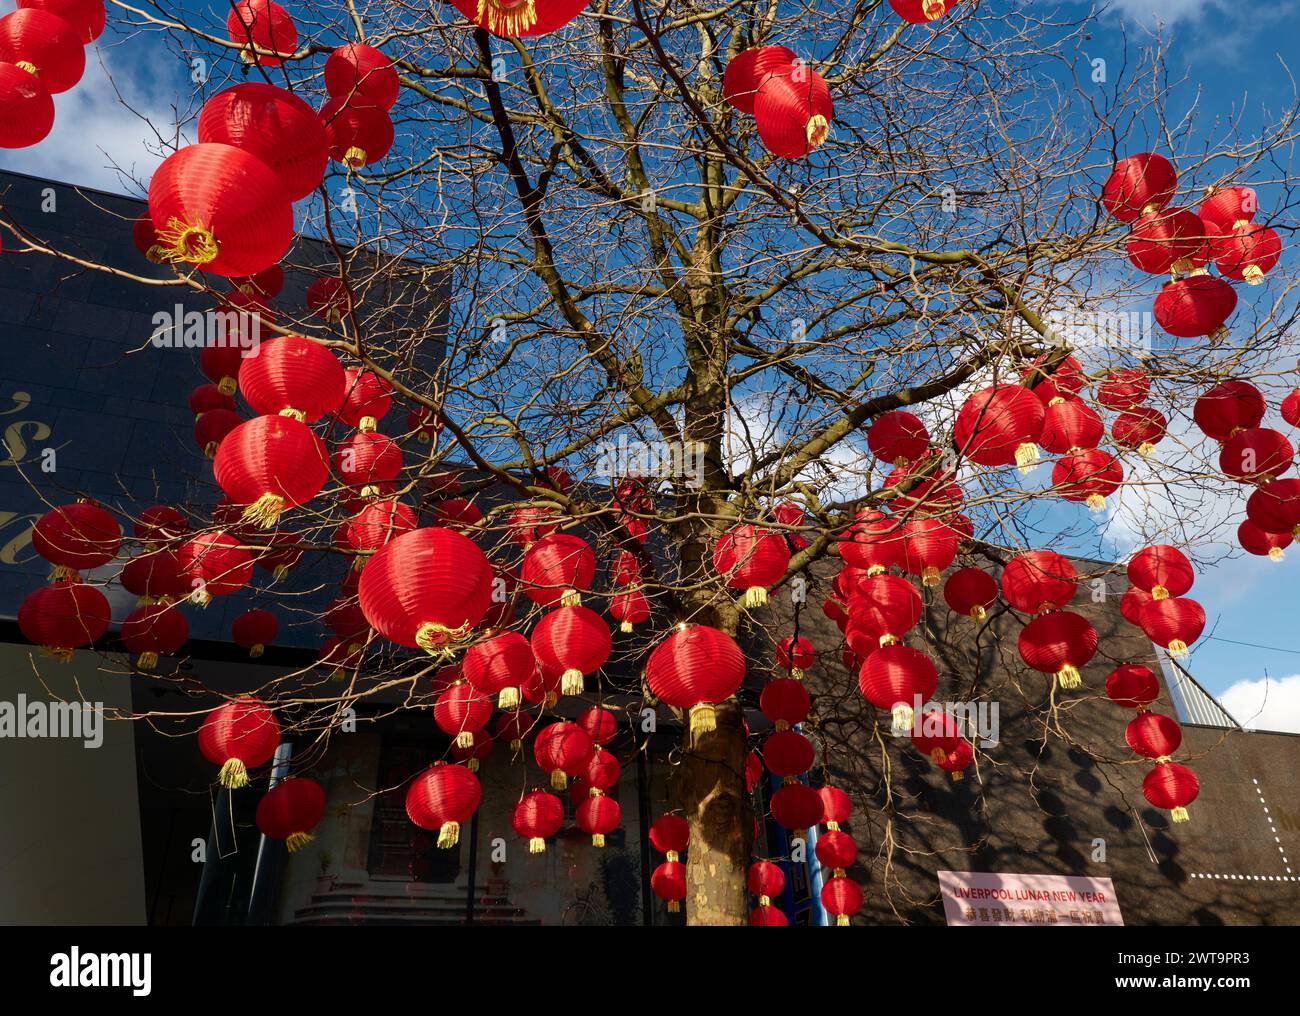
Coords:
pixel 796 806
pixel 254 630
pixel 629 608
pixel 999 426
pixel 460 711
pixel 1228 208
pixel 1038 581
pixel 836 807
pixel 213 564
pixel 294 377
pixel 929 486
pixel 1142 428
pixel 693 669
pixel 1059 643
pixel 530 523
pixel 668 881
pixel 1132 685
pixel 1291 408
pixel 329 299
pixel 26 108
pixel 221 209
pixel 795 655
pixel 598 816
pixel 837 851
pixel 76 537
pixel 263 30
pixel 290 810
pixel 1255 541
pixel 894 679
pixel 670 835
pixel 513 727
pixel 1153 735
pixel 562 750
pixel 1195 306
pixel 1258 455
pixel 1070 425
pixel 748 69
pixel 44 45
pixel 537 817
pixel 373 527
pixel 1172 787
pixel 897 437
pixel 1131 604
pixel 1124 389
pixel 443 797
pixel 510 19
pixel 366 398
pixel 929 548
pixel 500 666
pixel 63 617
pixel 270 464
pixel 279 552
pixel 557 569
pixel 884 608
pixel 266 284
pixel 146 241
pixel 1064 381
pixel 1140 183
pixel 359 134
pixel 153 577
pixel 87 17
pixel 765 880
pixel 239 736
pixel 1166 240
pixel 159 524
pixel 274 125
pixel 1275 507
pixel 970 592
pixel 457 513
pixel 751 558
pixel 842 896
pixel 1089 475
pixel 873 542
pixel 367 460
pixel 1161 570
pixel 1248 253
pixel 793 111
pixel 1173 623
pixel 785 702
pixel 573 641
pixel 1228 408
pixel 358 69
pixel 788 753
pixel 424 423
pixel 936 735
pixel 600 724
pixel 474 756
pixel 957 760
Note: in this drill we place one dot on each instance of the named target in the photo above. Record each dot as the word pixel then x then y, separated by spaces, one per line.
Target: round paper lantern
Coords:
pixel 460 711
pixel 1248 253
pixel 1142 428
pixel 474 756
pixel 43 44
pixel 520 18
pixel 537 817
pixel 693 669
pixel 513 726
pixel 1059 643
pixel 424 423
pixel 254 630
pixel 929 547
pixel 1257 455
pixel 339 656
pixel 793 111
pixel 796 656
pixel 359 134
pixel 999 426
pixel 63 616
pixel 670 835
pixel 935 735
pixel 1068 425
pixel 1140 183
pixel 500 666
pixel 1165 240
pixel 788 753
pixel 443 797
pixel 562 750
pixel 895 679
pixel 970 592
pixel 796 806
pixel 884 608
pixel 290 810
pixel 573 641
pixel 26 108
pixel 213 564
pixel 1153 735
pixel 601 773
pixel 765 880
pixel 927 485
pixel 1161 570
pixel 957 760
pixel 374 526
pixel 457 513
pixel 601 725
pixel 159 524
pixel 668 881
pixel 873 542
pixel 751 558
pixel 629 608
pixel 1038 581
pixel 279 553
pixel 1131 604
pixel 1275 507
pixel 87 17
pixel 264 31
pixel 530 523
pixel 1291 408
pixel 1064 381
pixel 1173 623
pixel 221 209
pixel 1228 208
pixel 1124 389
pixel 598 816
pixel 358 69
pixel 366 399
pixel 842 896
pixel 837 851
pixel 239 736
pixel 1132 685
pixel 897 437
pixel 367 460
pixel 1195 306
pixel 270 464
pixel 1229 408
pixel 329 299
pixel 146 241
pixel 295 377
pixel 153 577
pixel 345 618
pixel 836 806
pixel 1089 475
pixel 1255 541
pixel 274 125
pixel 1172 787
pixel 266 284
pixel 558 569
pixel 753 771
pixel 785 702
pixel 76 537
pixel 748 69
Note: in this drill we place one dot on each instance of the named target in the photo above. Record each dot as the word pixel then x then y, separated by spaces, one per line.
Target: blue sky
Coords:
pixel 1227 60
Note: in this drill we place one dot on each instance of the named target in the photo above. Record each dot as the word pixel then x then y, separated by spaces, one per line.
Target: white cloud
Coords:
pixel 1161 12
pixel 1266 704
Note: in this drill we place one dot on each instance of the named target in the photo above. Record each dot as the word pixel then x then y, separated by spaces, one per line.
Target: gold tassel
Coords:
pixel 29 67
pixel 438 639
pixel 978 613
pixel 61 653
pixel 956 775
pixel 781 725
pixel 536 845
pixel 841 920
pixel 570 598
pixel 200 598
pixel 506 21
pixel 256 651
pixel 1069 676
pixel 449 834
pixel 933 11
pixel 423 438
pixel 765 901
pixel 798 673
pixel 367 424
pixel 1177 648
pixel 228 385
pixel 233 774
pixel 597 839
pixel 147 661
pixel 338 674
pixel 1253 274
pixel 1146 448
pixel 210 449
pixel 672 855
pixel 265 511
pixel 888 640
pixel 465 739
pixel 194 245
pixel 674 906
pixel 1159 593
pixel 472 765
pixel 516 744
pixel 626 626
pixel 1095 503
pixel 1275 554
pixel 558 780
pixel 1026 456
pixel 571 682
pixel 902 718
pixel 369 490
pixel 62 571
pixel 832 826
pixel 296 414
pixel 755 596
pixel 837 873
pixel 1179 814
pixel 815 130
pixel 354 157
pixel 704 718
pixel 508 698
pixel 930 576
pixel 552 697
pixel 297 841
pixel 155 254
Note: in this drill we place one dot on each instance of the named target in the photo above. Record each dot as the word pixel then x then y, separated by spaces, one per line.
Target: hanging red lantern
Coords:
pixel 510 19
pixel 970 592
pixel 785 702
pixel 359 133
pixel 788 753
pixel 791 515
pixel 537 817
pixel 929 548
pixel 601 725
pixel 1089 475
pixel 1124 389
pixel 153 577
pixel 290 810
pixel 513 726
pixel 443 797
pixel 358 69
pixel 263 30
pixel 1166 240
pixel 897 437
pixel 842 896
pixel 159 524
pixel 753 771
pixel 1254 540
pixel 457 513
pixel 1229 408
pixel 1228 208
pixel 146 241
pixel 836 806
pixel 1070 425
pixel 795 656
pixel 339 656
pixel 1173 623
pixel 26 108
pixel 1257 455
pixel 267 283
pixel 562 750
pixel 366 399
pixel 1153 735
pixel 373 527
pixel 629 608
pixel 670 835
pixel 1275 507
pixel 668 881
pixel 748 69
pixel 1059 643
pixel 530 523
pixel 1291 408
pixel 279 552
pixel 765 880
pixel 270 464
pixel 345 618
pixel 1248 253
pixel 367 460
pixel 558 569
pixel 894 678
pixel 999 426
pixel 1063 381
pixel 87 17
pixel 837 851
pixel 1131 604
pixel 213 564
pixel 693 669
pixel 935 735
pixel 793 111
pixel 274 125
pixel 63 617
pixel 751 558
pixel 500 666
pixel 220 209
pixel 873 542
pixel 796 806
pixel 598 816
pixel 1140 183
pixel 295 377
pixel 424 423
pixel 1195 306
pixel 1132 685
pixel 1142 428
pixel 329 299
pixel 239 736
pixel 958 760
pixel 1161 570
pixel 76 537
pixel 474 756
pixel 1172 787
pixel 45 45
pixel 1038 581
pixel 574 641
pixel 254 630
pixel 460 711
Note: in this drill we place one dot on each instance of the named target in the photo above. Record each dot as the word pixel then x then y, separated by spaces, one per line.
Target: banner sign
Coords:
pixel 988 898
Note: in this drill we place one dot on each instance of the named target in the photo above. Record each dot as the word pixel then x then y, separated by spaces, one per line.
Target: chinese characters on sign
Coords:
pixel 982 898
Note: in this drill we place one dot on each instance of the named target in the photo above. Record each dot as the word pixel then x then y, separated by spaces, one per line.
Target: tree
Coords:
pixel 635 280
